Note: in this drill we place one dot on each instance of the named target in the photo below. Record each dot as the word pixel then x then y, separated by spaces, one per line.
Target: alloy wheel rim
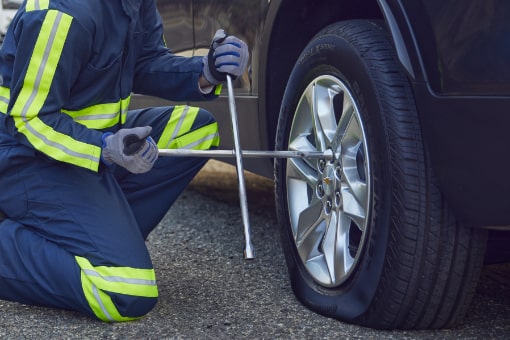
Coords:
pixel 329 200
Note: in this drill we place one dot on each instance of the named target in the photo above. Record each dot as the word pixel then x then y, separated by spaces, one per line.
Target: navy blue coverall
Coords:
pixel 75 231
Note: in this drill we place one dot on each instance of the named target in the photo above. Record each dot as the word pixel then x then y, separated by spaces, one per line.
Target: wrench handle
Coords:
pixel 249 252
pixel 217 39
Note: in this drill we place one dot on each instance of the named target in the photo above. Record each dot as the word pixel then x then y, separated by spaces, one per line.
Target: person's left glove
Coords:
pixel 227 55
pixel 133 149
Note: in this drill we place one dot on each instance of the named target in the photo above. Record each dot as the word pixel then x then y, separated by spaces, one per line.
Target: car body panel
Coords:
pixel 454 53
pixel 465 45
pixel 462 90
pixel 7 10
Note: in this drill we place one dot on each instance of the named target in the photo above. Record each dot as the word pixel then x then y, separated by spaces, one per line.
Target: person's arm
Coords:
pixel 46 65
pixel 205 86
pixel 163 74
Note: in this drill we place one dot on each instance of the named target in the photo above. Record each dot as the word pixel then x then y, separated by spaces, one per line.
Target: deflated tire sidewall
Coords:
pixel 332 55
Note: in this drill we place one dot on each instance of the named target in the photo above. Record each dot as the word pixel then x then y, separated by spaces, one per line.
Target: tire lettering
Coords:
pixel 317 49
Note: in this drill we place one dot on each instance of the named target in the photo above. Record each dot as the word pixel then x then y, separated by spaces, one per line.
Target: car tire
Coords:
pixel 368 237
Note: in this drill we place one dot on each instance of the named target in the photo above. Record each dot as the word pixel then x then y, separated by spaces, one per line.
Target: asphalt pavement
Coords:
pixel 208 291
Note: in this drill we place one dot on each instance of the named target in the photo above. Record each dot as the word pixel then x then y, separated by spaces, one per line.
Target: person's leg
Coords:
pixel 70 240
pixel 152 194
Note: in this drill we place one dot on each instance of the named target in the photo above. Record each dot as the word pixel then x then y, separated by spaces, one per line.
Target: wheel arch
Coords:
pixel 290 25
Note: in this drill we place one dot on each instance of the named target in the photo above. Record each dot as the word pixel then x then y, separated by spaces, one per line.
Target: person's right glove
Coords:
pixel 133 149
pixel 227 55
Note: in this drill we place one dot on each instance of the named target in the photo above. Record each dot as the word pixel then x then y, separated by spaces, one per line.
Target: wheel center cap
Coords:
pixel 329 180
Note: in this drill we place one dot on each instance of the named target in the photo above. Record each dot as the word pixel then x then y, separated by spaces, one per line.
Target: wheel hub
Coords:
pixel 328 188
pixel 329 181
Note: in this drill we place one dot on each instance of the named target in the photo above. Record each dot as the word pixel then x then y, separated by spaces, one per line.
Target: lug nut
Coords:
pixel 328 206
pixel 322 165
pixel 338 197
pixel 320 190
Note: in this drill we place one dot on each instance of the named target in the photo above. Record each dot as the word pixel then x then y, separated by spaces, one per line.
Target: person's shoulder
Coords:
pixel 79 8
pixel 87 13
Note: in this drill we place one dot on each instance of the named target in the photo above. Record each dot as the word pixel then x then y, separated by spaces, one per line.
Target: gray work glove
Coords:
pixel 132 149
pixel 227 55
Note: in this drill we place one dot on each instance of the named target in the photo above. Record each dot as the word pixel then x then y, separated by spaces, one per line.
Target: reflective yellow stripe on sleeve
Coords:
pixel 5 95
pixel 217 90
pixel 35 5
pixel 96 281
pixel 36 86
pixel 101 116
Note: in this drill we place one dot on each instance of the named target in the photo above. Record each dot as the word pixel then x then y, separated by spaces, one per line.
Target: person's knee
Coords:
pixel 205 117
pixel 132 307
pixel 121 307
pixel 118 293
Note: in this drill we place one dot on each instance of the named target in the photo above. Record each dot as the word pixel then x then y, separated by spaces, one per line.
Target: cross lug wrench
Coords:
pixel 249 252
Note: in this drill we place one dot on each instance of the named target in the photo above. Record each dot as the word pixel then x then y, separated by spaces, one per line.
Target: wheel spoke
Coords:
pixel 357 185
pixel 345 118
pixel 329 247
pixel 308 221
pixel 302 120
pixel 320 139
pixel 354 185
pixel 349 130
pixel 345 260
pixel 353 208
pixel 301 169
pixel 310 226
pixel 302 143
pixel 325 111
pixel 336 247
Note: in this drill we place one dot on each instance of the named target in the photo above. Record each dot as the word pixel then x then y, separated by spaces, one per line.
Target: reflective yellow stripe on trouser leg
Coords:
pixel 178 133
pixel 121 280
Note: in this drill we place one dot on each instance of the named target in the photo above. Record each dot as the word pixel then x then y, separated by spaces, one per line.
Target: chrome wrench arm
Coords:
pixel 249 252
pixel 224 153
